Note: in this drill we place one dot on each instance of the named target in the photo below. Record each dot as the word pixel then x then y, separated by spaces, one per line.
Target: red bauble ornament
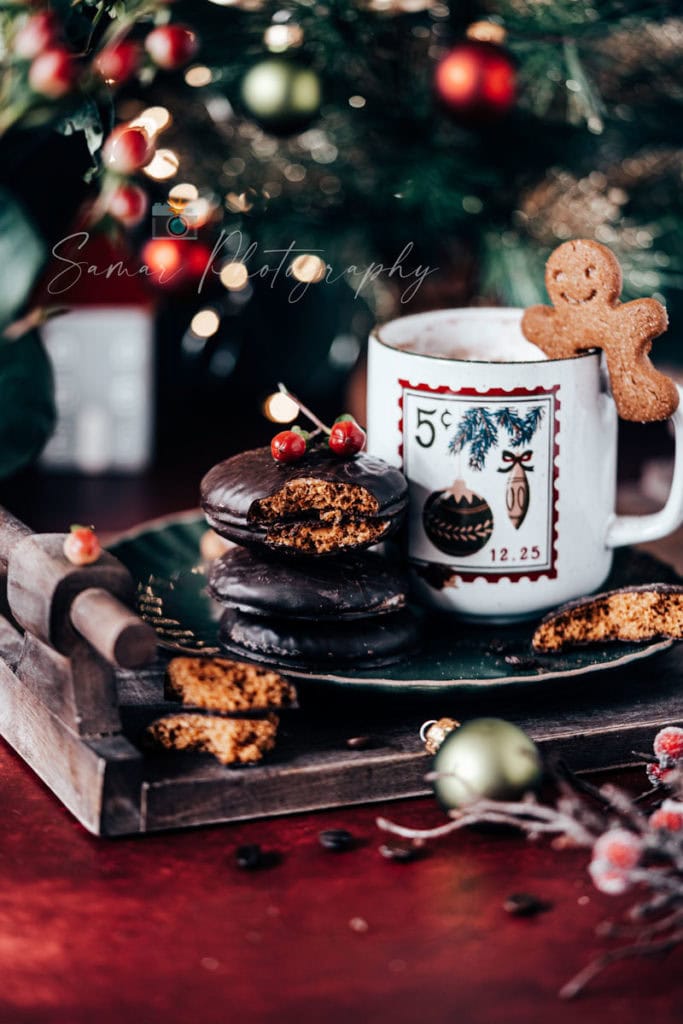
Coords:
pixel 119 61
pixel 173 263
pixel 36 35
pixel 52 73
pixel 197 260
pixel 127 149
pixel 128 205
pixel 476 81
pixel 171 46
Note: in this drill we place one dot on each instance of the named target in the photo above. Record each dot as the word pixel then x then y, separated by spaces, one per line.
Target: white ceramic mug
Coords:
pixel 511 460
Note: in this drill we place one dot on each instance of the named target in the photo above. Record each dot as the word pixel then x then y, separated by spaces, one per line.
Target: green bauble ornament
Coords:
pixel 486 757
pixel 282 95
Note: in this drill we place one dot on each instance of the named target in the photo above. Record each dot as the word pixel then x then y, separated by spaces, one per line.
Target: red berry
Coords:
pixel 655 774
pixel 128 204
pixel 669 743
pixel 171 46
pixel 346 438
pixel 618 848
pixel 127 149
pixel 81 545
pixel 669 817
pixel 608 879
pixel 288 446
pixel 36 35
pixel 119 61
pixel 52 73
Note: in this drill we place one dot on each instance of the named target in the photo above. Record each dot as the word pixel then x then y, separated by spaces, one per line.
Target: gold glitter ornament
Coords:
pixel 435 731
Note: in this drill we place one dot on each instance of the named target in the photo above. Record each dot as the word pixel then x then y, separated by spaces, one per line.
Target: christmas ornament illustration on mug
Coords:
pixel 517 491
pixel 460 522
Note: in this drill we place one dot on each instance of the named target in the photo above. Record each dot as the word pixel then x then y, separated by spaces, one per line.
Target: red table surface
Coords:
pixel 167 928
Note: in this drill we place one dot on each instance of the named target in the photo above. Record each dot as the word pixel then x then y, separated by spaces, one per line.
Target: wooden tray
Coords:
pixel 114 786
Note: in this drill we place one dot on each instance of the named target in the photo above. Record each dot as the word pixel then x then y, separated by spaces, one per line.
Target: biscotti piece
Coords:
pixel 632 614
pixel 220 684
pixel 229 740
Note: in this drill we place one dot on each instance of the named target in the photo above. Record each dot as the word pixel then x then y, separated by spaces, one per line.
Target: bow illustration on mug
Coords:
pixel 517 493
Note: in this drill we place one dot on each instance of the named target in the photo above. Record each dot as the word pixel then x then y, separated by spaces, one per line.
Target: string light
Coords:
pixel 164 164
pixel 153 120
pixel 279 38
pixel 308 268
pixel 357 102
pixel 182 194
pixel 279 408
pixel 241 203
pixel 198 76
pixel 487 32
pixel 205 323
pixel 234 276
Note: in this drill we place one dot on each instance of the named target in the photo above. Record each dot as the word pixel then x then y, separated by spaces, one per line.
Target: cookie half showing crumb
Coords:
pixel 320 505
pixel 632 614
pixel 221 684
pixel 229 740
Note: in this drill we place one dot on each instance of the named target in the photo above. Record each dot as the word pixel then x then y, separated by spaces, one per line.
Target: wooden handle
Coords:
pixel 12 530
pixel 113 630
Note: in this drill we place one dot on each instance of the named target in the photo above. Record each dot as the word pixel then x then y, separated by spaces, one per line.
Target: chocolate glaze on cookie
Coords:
pixel 348 587
pixel 324 646
pixel 321 505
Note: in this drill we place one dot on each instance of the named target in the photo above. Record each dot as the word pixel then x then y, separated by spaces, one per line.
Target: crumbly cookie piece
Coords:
pixel 229 740
pixel 221 684
pixel 633 614
pixel 583 279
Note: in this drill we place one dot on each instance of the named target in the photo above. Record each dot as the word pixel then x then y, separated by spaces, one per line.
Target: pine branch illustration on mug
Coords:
pixel 479 428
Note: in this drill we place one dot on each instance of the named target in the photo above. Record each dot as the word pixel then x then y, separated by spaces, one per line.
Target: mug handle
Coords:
pixel 639 529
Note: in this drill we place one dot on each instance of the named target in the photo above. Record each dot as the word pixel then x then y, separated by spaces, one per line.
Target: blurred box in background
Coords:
pixel 103 364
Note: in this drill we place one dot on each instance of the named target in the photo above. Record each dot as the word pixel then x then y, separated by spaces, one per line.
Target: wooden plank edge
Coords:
pixel 181 803
pixel 76 771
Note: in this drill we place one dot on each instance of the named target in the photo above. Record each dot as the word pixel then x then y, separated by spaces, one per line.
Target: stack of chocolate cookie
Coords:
pixel 300 592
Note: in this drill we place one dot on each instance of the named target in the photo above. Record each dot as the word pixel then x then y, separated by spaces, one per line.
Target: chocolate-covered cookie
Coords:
pixel 320 646
pixel 348 587
pixel 320 505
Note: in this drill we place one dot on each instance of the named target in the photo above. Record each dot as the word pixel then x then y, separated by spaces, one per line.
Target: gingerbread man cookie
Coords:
pixel 583 280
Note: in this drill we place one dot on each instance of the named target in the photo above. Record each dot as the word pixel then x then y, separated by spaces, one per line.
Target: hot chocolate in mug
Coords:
pixel 511 460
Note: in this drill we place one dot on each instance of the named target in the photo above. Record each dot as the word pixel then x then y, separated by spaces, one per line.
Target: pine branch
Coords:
pixel 529 426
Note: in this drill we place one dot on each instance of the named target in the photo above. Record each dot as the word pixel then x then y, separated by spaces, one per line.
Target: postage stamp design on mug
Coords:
pixel 495 454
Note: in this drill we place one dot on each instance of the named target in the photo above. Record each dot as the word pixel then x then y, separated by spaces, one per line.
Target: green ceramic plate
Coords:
pixel 163 557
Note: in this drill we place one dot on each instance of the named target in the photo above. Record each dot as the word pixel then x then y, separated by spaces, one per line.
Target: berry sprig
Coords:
pixel 345 438
pixel 667 764
pixel 82 545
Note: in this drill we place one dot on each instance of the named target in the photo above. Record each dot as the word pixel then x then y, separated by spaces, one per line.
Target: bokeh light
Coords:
pixel 280 408
pixel 308 268
pixel 164 164
pixel 234 276
pixel 205 323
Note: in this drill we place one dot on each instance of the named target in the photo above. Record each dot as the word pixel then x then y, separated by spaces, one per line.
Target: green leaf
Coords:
pixel 85 119
pixel 27 409
pixel 22 253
